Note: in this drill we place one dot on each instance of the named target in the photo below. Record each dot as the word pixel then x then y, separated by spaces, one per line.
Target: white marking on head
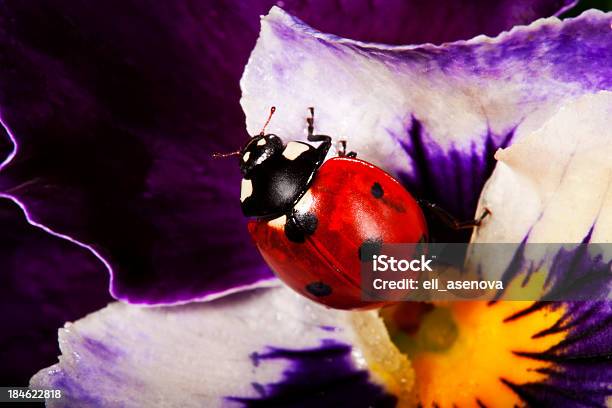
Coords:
pixel 246 156
pixel 278 223
pixel 294 149
pixel 246 189
pixel 261 142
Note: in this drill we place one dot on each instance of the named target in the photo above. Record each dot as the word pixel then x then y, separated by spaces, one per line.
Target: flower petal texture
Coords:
pixel 259 348
pixel 560 172
pixel 554 186
pixel 432 116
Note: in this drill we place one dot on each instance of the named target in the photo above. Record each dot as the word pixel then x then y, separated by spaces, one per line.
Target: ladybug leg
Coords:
pixel 342 150
pixel 326 140
pixel 449 219
pixel 310 121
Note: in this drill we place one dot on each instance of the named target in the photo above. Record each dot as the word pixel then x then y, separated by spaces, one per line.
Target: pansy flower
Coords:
pixel 110 123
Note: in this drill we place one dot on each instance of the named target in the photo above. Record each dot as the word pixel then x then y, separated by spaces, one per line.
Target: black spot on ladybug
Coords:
pixel 308 221
pixel 300 225
pixel 293 232
pixel 377 190
pixel 369 248
pixel 319 289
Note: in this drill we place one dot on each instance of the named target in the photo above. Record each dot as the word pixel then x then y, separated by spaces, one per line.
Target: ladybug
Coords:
pixel 315 221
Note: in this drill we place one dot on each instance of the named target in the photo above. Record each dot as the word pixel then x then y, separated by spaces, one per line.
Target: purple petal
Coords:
pixel 324 376
pixel 254 349
pixel 416 22
pixel 117 114
pixel 44 281
pixel 581 373
pixel 432 116
pixel 115 136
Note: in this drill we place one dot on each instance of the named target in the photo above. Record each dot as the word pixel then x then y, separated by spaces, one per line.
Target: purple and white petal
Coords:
pixel 432 116
pixel 261 347
pixel 554 186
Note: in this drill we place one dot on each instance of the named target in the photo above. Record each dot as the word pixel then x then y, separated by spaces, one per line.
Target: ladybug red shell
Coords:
pixel 316 249
pixel 310 219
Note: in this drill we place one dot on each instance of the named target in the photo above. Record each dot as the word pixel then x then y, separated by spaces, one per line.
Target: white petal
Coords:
pixel 553 186
pixel 200 354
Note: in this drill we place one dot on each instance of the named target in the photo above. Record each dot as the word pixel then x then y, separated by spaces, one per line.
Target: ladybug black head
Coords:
pixel 259 149
pixel 275 175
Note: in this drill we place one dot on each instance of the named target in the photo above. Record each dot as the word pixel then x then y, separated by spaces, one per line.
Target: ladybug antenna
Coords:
pixel 263 130
pixel 224 155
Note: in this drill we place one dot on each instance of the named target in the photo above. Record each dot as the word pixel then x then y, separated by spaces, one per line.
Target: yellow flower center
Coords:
pixel 464 353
